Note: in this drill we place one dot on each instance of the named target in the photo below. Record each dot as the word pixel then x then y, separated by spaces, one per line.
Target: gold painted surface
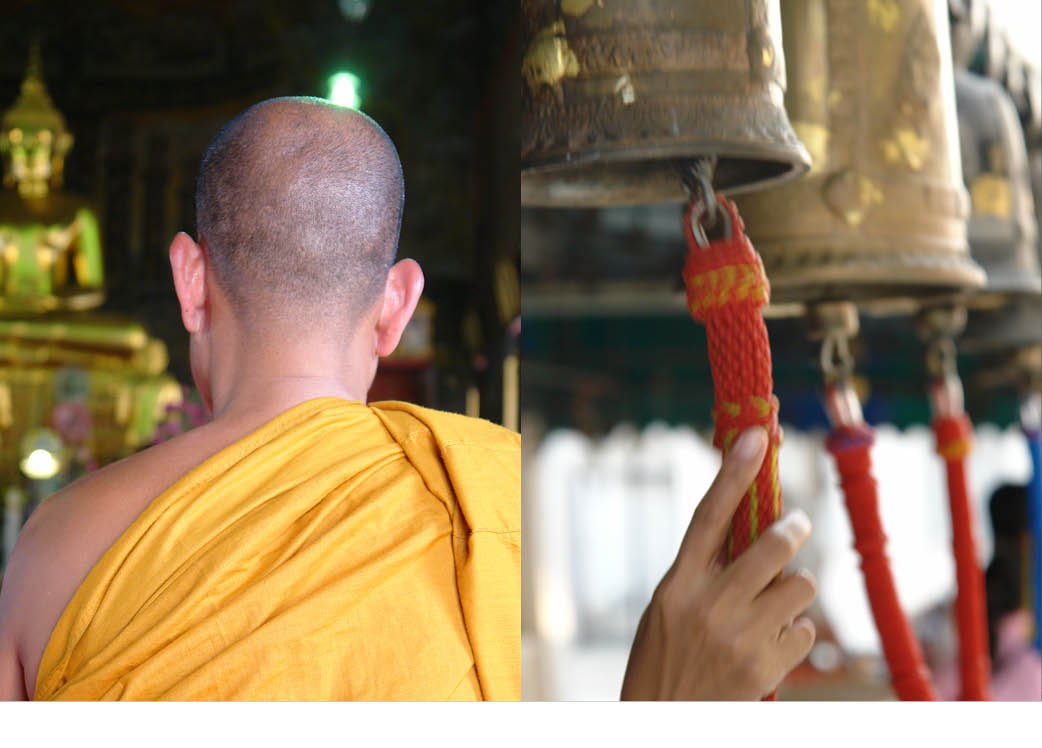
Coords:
pixel 869 192
pixel 6 419
pixel 907 148
pixel 127 336
pixel 884 13
pixel 991 195
pixel 549 59
pixel 850 196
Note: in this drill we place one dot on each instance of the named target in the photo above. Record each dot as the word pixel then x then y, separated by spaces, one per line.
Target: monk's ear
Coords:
pixel 401 294
pixel 188 262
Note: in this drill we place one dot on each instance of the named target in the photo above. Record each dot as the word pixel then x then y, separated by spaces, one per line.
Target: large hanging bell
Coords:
pixel 881 217
pixel 1003 232
pixel 618 94
pixel 1003 229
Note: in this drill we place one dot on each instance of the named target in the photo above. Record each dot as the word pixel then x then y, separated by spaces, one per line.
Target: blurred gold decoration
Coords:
pixel 100 381
pixel 50 243
pixel 34 139
pixel 508 291
pixel 112 366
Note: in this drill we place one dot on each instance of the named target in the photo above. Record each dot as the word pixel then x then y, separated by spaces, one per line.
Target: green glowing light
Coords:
pixel 345 90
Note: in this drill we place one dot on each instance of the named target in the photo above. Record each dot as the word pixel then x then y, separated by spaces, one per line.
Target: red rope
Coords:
pixel 954 439
pixel 850 446
pixel 726 288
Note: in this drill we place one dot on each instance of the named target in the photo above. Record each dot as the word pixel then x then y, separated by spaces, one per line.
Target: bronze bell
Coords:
pixel 1003 232
pixel 615 93
pixel 881 217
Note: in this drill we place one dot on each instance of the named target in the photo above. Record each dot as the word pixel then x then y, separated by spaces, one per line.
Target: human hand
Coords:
pixel 719 632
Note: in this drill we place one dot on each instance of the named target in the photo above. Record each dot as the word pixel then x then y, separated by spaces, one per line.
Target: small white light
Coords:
pixel 354 10
pixel 40 464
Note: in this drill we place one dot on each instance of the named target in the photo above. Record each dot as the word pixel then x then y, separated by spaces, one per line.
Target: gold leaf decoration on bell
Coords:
pixel 616 92
pixel 881 217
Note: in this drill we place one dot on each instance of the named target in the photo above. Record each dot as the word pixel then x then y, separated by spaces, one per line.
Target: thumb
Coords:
pixel 708 529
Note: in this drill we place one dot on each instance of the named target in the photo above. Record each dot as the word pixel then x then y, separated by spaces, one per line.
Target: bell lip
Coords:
pixel 1011 287
pixel 539 175
pixel 899 295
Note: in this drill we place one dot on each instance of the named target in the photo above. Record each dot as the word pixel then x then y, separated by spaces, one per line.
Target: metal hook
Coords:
pixel 698 211
pixel 941 359
pixel 836 360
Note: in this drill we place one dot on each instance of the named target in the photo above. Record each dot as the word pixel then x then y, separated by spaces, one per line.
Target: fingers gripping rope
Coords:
pixel 726 288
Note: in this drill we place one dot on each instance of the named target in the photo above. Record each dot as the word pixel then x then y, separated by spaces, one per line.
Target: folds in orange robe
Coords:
pixel 338 552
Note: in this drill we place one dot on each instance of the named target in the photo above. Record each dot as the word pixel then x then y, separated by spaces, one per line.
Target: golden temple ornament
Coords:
pixel 34 139
pixel 50 242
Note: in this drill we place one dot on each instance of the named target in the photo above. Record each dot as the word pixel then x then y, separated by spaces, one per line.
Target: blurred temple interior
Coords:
pixel 107 109
pixel 617 390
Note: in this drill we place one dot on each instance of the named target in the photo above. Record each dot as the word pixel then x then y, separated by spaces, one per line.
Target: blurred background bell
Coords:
pixel 616 94
pixel 1003 231
pixel 881 217
pixel 1004 327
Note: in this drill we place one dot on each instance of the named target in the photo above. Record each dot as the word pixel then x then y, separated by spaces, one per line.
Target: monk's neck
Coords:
pixel 269 379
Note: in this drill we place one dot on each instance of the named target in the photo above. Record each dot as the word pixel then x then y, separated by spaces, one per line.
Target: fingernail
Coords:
pixel 799 521
pixel 750 443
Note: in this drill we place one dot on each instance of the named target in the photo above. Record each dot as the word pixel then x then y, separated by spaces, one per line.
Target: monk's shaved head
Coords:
pixel 299 204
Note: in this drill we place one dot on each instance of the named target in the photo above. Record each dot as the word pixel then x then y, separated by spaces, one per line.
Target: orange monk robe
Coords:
pixel 338 552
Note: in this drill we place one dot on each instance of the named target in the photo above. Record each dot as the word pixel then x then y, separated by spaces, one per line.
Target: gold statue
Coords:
pixel 93 384
pixel 50 245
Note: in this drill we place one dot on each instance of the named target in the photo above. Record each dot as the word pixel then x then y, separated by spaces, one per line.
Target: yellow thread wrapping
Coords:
pixel 775 488
pixel 733 409
pixel 729 439
pixel 723 280
pixel 726 284
pixel 954 450
pixel 762 406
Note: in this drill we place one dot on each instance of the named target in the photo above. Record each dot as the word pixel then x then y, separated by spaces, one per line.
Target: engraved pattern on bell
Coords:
pixel 881 217
pixel 614 91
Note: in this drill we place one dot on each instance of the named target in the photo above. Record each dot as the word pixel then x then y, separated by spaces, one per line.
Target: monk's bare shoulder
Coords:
pixel 69 532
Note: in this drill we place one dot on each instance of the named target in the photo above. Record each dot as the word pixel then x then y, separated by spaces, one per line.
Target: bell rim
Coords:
pixel 538 175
